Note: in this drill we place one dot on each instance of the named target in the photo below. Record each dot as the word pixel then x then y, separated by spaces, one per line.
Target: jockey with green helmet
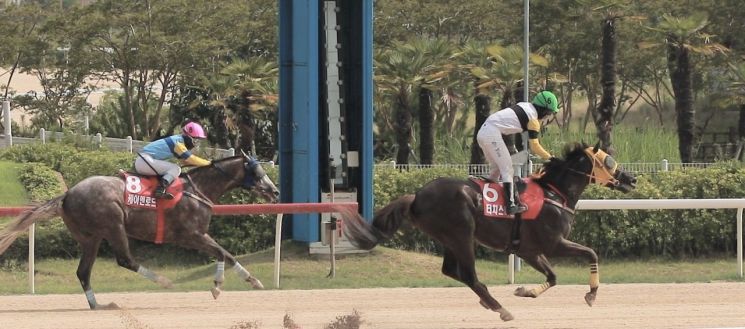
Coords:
pixel 153 158
pixel 523 116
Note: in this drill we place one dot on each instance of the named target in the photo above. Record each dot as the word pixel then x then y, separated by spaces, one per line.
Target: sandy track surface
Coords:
pixel 705 305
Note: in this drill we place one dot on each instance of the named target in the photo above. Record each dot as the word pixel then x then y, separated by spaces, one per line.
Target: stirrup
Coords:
pixel 160 193
pixel 516 208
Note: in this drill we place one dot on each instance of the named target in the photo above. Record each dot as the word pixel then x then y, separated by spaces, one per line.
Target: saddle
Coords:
pixel 493 198
pixel 139 191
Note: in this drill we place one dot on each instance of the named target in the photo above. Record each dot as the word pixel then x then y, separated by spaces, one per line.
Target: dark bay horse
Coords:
pixel 94 210
pixel 450 211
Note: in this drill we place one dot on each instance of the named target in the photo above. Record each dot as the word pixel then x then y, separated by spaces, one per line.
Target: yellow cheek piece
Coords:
pixel 600 174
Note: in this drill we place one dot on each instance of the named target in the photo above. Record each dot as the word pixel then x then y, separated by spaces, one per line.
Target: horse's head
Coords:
pixel 256 179
pixel 607 172
pixel 594 164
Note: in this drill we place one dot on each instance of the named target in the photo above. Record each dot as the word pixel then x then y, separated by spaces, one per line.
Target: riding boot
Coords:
pixel 514 206
pixel 160 191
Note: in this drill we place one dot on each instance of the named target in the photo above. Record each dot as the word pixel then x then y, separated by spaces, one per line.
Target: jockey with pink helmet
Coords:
pixel 153 158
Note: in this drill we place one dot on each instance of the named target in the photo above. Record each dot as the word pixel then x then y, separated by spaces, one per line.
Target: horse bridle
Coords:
pixel 248 180
pixel 602 169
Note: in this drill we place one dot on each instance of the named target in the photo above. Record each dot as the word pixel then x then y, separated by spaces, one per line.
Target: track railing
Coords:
pixel 248 209
pixel 649 204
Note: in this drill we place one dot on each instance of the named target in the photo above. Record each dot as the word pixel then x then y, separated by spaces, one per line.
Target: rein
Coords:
pixel 199 195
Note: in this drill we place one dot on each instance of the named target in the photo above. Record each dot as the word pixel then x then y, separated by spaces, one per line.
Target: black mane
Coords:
pixel 556 165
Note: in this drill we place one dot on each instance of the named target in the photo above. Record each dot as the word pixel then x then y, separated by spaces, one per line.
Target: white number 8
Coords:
pixel 133 184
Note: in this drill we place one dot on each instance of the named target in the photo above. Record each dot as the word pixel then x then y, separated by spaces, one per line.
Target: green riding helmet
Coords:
pixel 548 100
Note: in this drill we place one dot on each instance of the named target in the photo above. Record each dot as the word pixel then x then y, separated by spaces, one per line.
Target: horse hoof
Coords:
pixel 215 292
pixel 164 282
pixel 255 283
pixel 590 298
pixel 109 306
pixel 521 292
pixel 505 315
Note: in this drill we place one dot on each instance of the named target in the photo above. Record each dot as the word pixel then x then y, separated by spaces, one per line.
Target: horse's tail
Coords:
pixel 385 223
pixel 44 211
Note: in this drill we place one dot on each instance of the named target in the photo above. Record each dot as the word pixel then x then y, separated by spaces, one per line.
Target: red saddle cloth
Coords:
pixel 139 192
pixel 493 198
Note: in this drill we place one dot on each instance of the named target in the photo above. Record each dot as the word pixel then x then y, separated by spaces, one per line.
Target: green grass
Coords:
pixel 12 193
pixel 383 267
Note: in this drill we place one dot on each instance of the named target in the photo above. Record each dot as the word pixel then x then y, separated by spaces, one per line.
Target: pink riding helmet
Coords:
pixel 194 130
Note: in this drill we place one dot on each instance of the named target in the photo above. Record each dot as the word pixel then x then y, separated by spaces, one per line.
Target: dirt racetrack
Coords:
pixel 704 305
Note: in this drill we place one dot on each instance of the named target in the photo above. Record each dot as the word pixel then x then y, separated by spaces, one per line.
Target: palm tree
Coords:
pixel 494 67
pixel 398 71
pixel 609 13
pixel 237 101
pixel 436 71
pixel 736 92
pixel 684 37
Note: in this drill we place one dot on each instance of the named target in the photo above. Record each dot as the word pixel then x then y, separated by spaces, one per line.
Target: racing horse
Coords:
pixel 94 210
pixel 451 211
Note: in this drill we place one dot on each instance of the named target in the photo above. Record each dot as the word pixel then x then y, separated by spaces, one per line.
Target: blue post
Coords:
pixel 298 113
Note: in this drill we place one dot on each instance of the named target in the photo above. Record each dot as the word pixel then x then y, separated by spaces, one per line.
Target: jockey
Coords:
pixel 512 120
pixel 152 159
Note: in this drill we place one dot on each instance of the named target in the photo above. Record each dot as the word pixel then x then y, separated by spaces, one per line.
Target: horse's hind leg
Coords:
pixel 89 250
pixel 207 244
pixel 120 244
pixel 540 263
pixel 566 248
pixel 462 267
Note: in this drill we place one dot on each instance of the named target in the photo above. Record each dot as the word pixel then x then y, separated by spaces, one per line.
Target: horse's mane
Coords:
pixel 571 150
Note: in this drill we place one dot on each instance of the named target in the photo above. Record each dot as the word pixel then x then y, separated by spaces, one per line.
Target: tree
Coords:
pixel 398 72
pixel 235 103
pixel 18 24
pixel 684 37
pixel 494 68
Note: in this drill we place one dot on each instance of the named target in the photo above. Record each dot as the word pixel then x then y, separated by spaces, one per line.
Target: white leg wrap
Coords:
pixel 91 298
pixel 220 273
pixel 147 273
pixel 242 272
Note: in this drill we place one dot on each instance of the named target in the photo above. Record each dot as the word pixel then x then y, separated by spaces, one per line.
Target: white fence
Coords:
pixel 483 169
pixel 98 141
pixel 738 204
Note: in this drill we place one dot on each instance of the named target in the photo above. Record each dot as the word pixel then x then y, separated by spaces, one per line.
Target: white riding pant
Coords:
pixel 146 165
pixel 495 150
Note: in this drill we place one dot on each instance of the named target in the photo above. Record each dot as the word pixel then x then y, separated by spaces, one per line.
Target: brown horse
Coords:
pixel 94 210
pixel 450 211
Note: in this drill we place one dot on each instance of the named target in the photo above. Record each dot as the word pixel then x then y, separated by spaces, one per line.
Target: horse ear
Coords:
pixel 596 148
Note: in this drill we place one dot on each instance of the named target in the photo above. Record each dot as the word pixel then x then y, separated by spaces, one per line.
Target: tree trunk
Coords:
pixel 246 123
pixel 741 123
pixel 402 126
pixel 512 96
pixel 426 127
pixel 604 122
pixel 681 82
pixel 483 108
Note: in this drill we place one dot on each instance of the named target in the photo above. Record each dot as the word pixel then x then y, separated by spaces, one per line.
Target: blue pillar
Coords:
pixel 298 111
pixel 366 160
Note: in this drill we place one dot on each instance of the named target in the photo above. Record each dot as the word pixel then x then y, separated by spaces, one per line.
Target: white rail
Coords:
pixel 644 204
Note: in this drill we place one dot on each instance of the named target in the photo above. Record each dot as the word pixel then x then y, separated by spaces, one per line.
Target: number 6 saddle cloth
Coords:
pixel 493 198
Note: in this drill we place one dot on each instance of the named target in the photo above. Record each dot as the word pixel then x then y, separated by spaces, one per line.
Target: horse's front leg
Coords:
pixel 541 264
pixel 566 248
pixel 219 278
pixel 205 243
